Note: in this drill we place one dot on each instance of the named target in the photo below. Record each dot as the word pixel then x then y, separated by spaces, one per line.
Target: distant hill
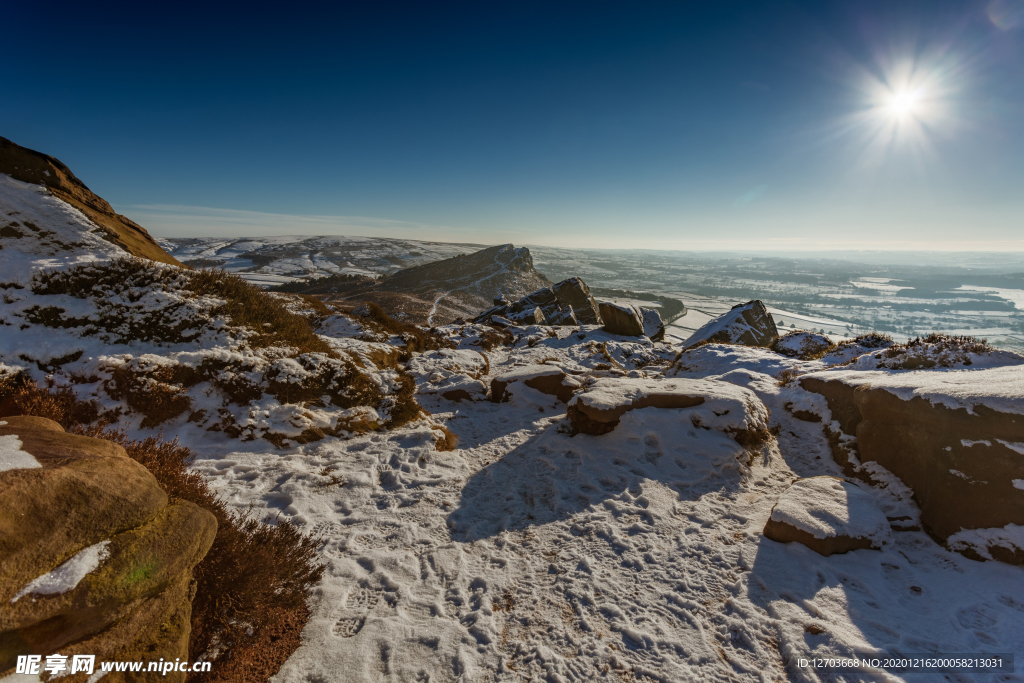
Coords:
pixel 441 291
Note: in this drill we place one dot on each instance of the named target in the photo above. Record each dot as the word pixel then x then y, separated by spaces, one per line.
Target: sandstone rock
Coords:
pixel 575 294
pixel 566 303
pixel 829 516
pixel 748 324
pixel 654 328
pixel 736 410
pixel 958 453
pixel 132 601
pixel 621 319
pixel 547 379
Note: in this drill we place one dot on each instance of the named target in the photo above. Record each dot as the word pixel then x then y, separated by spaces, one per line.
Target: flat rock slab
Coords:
pixel 829 516
pixel 598 409
pixel 547 379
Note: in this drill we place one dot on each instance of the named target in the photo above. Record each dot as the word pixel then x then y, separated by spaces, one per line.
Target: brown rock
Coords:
pixel 620 319
pixel 136 603
pixel 957 486
pixel 784 533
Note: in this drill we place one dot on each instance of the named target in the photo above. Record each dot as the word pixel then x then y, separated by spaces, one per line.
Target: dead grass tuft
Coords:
pixel 935 350
pixel 448 441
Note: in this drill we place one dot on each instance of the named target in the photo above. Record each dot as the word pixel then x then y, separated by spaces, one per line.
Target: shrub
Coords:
pixel 267 315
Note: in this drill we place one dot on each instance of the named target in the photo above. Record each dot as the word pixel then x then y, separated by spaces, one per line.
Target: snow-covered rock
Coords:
pixel 829 516
pixel 748 324
pixel 624 319
pixel 710 404
pixel 955 437
pixel 654 327
pixel 547 379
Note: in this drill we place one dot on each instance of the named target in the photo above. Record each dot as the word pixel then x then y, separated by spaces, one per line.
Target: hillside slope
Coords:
pixel 36 168
pixel 458 287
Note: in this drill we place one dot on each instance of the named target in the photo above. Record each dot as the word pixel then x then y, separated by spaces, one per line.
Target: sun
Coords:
pixel 904 103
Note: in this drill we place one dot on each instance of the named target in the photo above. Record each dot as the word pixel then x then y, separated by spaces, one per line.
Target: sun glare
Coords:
pixel 904 103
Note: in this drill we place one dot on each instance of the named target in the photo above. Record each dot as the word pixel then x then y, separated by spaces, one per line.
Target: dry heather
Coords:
pixel 250 603
pixel 272 375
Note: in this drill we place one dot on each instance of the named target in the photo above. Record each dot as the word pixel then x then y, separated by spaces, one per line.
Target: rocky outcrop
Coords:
pixel 566 303
pixel 547 379
pixel 748 324
pixel 962 457
pixel 621 319
pixel 97 560
pixel 34 167
pixel 829 516
pixel 600 406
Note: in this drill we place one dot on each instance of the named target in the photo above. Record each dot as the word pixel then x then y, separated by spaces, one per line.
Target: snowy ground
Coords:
pixel 527 554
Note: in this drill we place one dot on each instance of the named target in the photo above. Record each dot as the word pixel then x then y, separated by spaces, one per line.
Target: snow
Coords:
pixel 827 507
pixel 68 575
pixel 11 455
pixel 998 388
pixel 980 540
pixel 54 234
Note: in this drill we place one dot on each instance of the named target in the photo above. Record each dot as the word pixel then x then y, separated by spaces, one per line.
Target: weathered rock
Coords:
pixel 88 499
pixel 621 319
pixel 566 303
pixel 748 324
pixel 961 462
pixel 654 327
pixel 574 293
pixel 547 379
pixel 599 407
pixel 829 516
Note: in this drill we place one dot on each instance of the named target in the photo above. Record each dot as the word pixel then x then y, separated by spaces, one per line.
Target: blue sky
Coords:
pixel 724 125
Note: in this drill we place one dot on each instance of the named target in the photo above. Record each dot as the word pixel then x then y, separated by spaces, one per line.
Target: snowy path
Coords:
pixel 433 309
